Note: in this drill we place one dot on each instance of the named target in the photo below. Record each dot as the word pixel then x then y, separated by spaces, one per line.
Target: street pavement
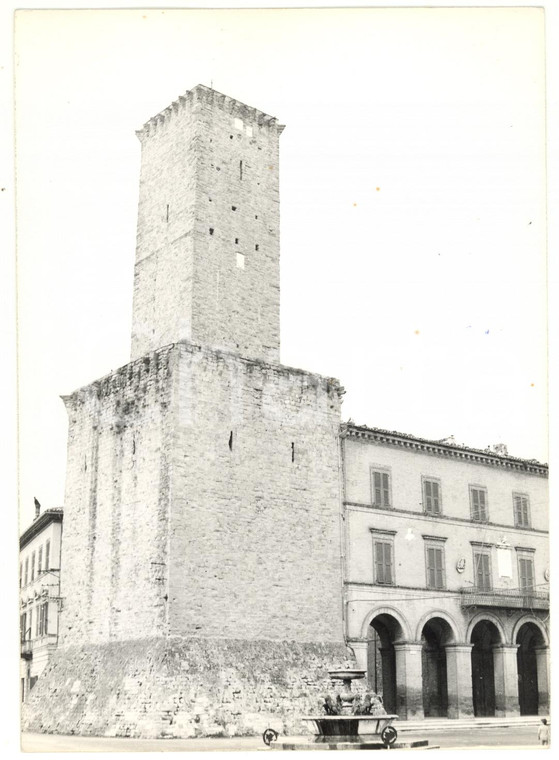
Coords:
pixel 515 736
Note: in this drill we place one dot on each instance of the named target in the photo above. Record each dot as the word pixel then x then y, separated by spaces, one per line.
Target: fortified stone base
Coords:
pixel 181 688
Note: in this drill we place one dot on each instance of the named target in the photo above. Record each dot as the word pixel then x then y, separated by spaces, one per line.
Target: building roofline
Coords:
pixel 442 449
pixel 48 516
pixel 144 365
pixel 203 91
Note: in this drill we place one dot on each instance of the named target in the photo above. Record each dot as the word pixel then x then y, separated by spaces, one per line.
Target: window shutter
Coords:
pixel 482 510
pixel 475 504
pixel 435 491
pixel 431 567
pixel 522 568
pixel 47 555
pixel 40 561
pixel 428 501
pixel 379 562
pixel 439 568
pixel 387 563
pixel 377 483
pixel 486 577
pixel 517 511
pixel 386 494
pixel 46 619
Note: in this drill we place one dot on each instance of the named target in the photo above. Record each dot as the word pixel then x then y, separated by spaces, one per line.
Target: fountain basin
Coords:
pixel 346 727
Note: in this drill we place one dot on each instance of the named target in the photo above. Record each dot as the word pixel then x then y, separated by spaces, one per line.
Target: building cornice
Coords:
pixel 443 450
pixel 45 519
pixel 361 507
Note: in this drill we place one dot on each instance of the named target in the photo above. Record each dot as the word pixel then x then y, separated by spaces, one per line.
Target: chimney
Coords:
pixel 37 507
pixel 500 449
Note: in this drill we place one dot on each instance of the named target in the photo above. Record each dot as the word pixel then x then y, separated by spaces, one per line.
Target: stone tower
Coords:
pixel 207 256
pixel 201 580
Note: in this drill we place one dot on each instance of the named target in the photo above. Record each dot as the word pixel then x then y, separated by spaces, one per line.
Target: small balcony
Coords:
pixel 27 649
pixel 528 599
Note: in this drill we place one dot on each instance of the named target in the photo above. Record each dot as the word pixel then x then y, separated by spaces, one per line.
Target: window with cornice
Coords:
pixel 526 570
pixel 383 557
pixel 482 570
pixel 434 562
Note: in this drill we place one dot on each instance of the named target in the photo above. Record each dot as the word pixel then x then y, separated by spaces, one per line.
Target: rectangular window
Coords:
pixel 526 572
pixel 482 569
pixel 33 567
pixel 22 626
pixel 42 622
pixel 40 561
pixel 20 574
pixel 383 562
pixel 478 503
pixel 38 629
pixel 381 488
pixel 47 556
pixel 26 571
pixel 434 556
pixel 431 496
pixel 521 510
pixel 30 624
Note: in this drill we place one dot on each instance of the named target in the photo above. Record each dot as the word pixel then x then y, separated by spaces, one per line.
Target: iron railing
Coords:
pixel 527 599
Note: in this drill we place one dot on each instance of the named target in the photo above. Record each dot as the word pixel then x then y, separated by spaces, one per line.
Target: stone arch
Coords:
pixel 392 612
pixel 490 618
pixel 530 637
pixel 444 616
pixel 530 619
pixel 385 627
pixel 487 636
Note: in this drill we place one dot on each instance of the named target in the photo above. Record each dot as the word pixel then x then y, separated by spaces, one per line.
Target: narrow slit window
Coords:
pixel 236 241
pixel 240 169
pixel 211 230
pixel 167 212
pixel 292 451
pixel 231 441
pixel 256 247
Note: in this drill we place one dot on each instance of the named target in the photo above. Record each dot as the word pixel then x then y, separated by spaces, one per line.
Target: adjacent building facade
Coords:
pixel 226 542
pixel 39 592
pixel 447 569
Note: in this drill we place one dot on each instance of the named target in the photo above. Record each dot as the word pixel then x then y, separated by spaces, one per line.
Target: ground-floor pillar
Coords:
pixel 409 683
pixel 459 680
pixel 360 649
pixel 542 664
pixel 506 680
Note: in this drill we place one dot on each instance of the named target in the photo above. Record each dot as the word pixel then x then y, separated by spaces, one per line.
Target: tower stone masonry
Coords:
pixel 207 256
pixel 201 563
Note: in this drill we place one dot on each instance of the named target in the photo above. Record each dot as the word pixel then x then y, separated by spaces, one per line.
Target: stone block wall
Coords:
pixel 207 259
pixel 114 550
pixel 156 688
pixel 255 523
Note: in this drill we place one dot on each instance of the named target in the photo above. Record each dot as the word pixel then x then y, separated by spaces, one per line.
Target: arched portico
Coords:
pixel 494 671
pixel 532 666
pixel 435 635
pixel 394 664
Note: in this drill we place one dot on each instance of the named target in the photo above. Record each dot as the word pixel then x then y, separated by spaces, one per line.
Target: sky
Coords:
pixel 413 216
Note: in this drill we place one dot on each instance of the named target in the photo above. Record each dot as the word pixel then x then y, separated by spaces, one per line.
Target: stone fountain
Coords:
pixel 343 714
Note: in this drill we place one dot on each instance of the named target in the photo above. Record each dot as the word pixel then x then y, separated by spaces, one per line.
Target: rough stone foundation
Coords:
pixel 179 688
